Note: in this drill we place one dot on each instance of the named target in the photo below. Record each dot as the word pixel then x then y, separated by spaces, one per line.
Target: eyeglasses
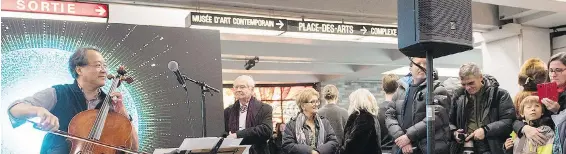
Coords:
pixel 240 87
pixel 99 66
pixel 557 70
pixel 314 102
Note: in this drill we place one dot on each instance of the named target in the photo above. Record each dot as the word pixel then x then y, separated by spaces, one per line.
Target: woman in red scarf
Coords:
pixel 556 67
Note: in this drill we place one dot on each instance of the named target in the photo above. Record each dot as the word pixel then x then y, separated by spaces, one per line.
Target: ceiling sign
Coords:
pixel 56 7
pixel 233 21
pixel 340 28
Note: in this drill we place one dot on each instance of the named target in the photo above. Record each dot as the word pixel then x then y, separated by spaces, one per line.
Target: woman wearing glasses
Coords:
pixel 308 133
pixel 557 74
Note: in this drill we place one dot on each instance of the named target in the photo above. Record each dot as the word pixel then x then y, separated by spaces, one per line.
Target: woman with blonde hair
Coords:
pixel 309 133
pixel 362 133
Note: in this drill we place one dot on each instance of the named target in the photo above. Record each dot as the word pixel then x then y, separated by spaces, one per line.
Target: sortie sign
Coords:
pixel 56 7
pixel 233 21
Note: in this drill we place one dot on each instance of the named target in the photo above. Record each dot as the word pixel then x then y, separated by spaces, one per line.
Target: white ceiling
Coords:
pixel 292 60
pixel 537 13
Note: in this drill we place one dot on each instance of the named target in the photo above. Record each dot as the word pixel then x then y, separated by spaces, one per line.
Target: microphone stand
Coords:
pixel 429 103
pixel 203 89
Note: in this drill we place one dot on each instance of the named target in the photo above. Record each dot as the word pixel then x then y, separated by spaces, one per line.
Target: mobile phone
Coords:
pixel 547 90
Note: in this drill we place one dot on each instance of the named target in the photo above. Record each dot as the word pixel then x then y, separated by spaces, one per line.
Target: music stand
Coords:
pixel 203 146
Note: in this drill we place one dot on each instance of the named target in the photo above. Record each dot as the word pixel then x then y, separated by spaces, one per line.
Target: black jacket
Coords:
pixel 417 132
pixel 386 139
pixel 362 134
pixel 262 129
pixel 291 146
pixel 497 116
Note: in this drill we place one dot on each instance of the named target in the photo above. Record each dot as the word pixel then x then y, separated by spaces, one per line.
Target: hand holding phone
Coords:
pixel 547 90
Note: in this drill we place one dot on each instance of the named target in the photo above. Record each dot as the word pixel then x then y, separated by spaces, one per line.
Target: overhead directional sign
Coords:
pixel 340 28
pixel 56 7
pixel 222 20
pixel 378 30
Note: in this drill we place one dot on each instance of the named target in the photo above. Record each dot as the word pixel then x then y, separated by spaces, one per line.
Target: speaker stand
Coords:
pixel 429 103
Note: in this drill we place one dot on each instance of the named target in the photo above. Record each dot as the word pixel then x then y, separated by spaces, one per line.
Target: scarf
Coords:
pixel 235 116
pixel 300 131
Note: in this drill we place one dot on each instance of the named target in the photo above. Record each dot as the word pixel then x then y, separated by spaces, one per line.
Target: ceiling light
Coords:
pixel 445 72
pixel 375 39
pixel 239 30
pixel 330 37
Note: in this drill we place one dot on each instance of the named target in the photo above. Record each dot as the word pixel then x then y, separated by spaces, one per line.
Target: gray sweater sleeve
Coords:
pixel 45 99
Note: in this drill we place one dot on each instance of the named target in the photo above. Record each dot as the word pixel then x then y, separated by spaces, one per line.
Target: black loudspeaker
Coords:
pixel 443 27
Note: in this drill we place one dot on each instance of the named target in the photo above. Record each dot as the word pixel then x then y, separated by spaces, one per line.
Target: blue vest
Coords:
pixel 70 102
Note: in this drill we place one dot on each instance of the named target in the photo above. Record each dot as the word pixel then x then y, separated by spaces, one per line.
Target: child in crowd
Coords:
pixel 531 111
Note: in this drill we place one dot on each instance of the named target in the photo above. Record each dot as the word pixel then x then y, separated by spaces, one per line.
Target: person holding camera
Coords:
pixel 482 115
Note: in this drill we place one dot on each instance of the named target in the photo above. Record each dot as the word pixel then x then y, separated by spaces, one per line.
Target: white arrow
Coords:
pixel 280 24
pixel 100 10
pixel 364 30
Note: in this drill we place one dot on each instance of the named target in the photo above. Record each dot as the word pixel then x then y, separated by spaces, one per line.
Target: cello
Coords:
pixel 101 131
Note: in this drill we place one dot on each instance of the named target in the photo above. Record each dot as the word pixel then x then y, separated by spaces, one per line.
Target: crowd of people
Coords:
pixel 473 114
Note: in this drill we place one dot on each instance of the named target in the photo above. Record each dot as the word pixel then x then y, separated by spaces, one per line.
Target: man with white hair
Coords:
pixel 248 118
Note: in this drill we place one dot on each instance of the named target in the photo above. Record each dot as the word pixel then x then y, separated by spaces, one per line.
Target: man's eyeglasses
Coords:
pixel 240 87
pixel 99 66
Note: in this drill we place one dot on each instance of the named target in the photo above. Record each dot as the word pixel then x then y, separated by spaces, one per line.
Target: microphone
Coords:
pixel 174 66
pixel 214 149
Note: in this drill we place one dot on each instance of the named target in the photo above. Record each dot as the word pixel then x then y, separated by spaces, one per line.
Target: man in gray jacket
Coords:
pixel 405 116
pixel 482 112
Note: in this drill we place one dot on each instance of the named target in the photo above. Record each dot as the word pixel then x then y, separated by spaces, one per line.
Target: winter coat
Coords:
pixel 362 134
pixel 498 115
pixel 417 133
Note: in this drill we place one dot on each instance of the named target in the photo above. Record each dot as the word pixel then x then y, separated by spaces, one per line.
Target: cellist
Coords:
pixel 56 106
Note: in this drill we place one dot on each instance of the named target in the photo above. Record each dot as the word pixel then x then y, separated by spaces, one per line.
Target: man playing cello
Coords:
pixel 56 106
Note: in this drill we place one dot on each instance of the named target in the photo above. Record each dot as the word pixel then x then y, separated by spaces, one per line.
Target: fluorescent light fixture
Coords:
pixel 398 71
pixel 264 71
pixel 51 16
pixel 330 37
pixel 445 72
pixel 375 39
pixel 262 58
pixel 239 30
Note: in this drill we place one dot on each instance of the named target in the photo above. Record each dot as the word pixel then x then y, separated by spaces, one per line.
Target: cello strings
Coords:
pixel 96 131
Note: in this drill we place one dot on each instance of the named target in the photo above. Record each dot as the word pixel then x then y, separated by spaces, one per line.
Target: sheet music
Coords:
pixel 207 143
pixel 203 143
pixel 165 151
